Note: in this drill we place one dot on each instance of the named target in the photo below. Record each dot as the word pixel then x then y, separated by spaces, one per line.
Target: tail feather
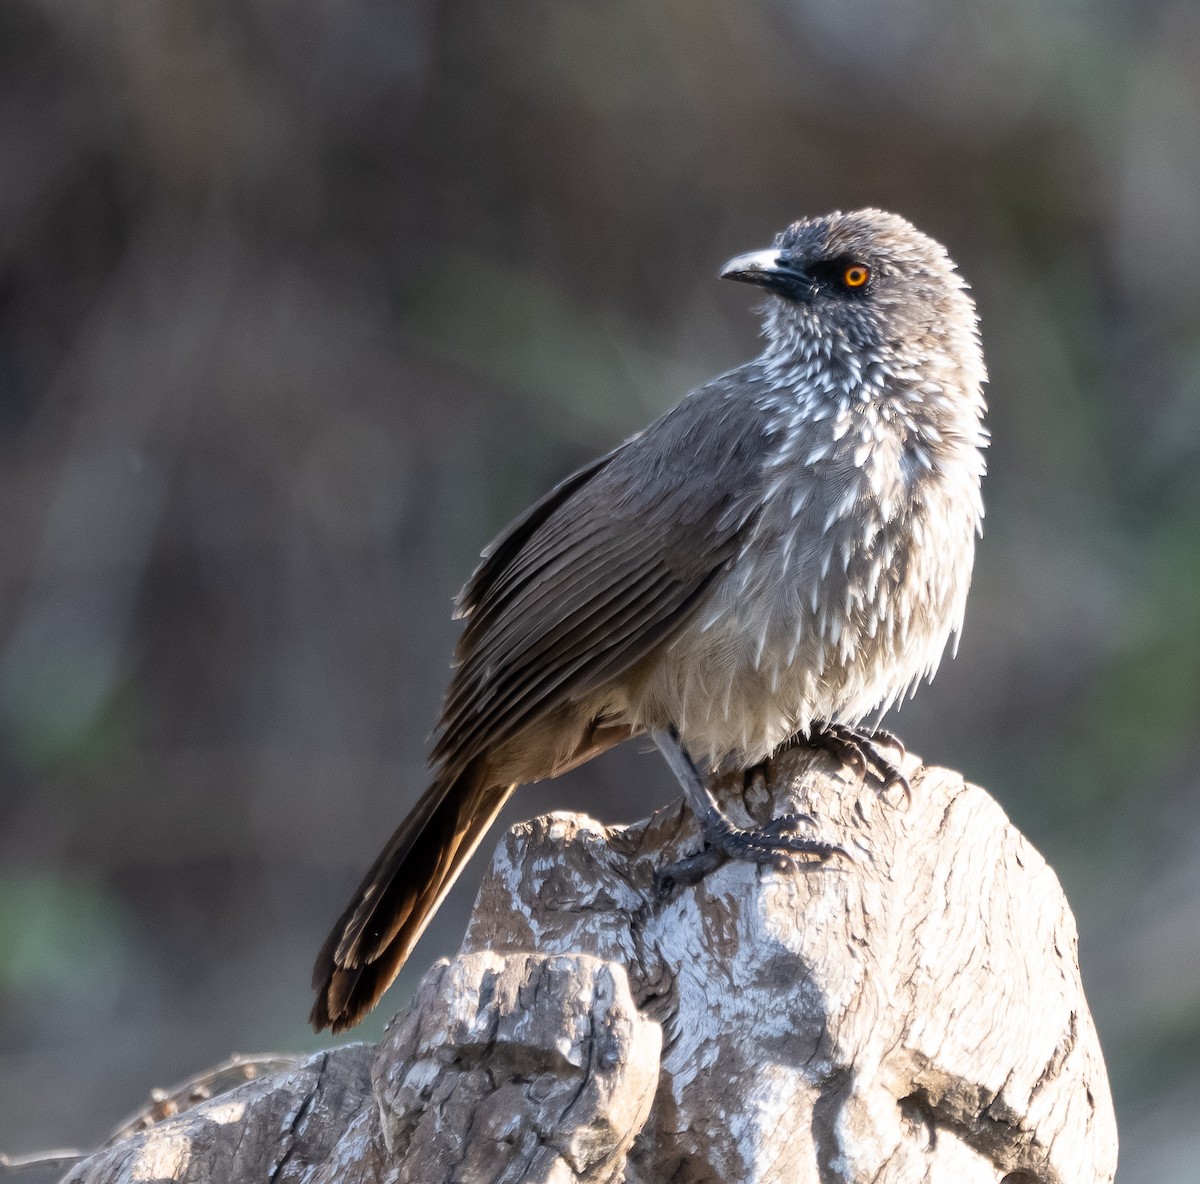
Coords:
pixel 375 935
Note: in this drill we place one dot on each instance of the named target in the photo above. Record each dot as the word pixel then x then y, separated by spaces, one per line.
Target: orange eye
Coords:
pixel 856 275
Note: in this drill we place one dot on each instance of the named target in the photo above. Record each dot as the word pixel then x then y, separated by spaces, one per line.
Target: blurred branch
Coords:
pixel 46 1161
pixel 163 1104
pixel 169 1103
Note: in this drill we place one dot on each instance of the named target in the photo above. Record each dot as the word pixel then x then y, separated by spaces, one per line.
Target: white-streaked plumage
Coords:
pixel 864 542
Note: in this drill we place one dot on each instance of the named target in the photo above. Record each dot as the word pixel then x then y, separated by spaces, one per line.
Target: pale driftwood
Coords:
pixel 912 1014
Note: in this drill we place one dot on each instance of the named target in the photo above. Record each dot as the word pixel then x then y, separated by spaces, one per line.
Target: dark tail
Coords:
pixel 389 912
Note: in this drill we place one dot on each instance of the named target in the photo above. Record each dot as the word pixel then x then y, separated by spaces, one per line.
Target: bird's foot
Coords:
pixel 888 740
pixel 865 751
pixel 772 843
pixel 775 843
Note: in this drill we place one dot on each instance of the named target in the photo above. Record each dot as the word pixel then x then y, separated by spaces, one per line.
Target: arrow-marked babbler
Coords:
pixel 783 554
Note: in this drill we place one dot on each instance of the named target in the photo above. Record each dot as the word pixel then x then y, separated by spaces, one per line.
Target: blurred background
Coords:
pixel 299 303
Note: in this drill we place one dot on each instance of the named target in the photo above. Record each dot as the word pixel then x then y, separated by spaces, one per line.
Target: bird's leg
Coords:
pixel 865 750
pixel 723 839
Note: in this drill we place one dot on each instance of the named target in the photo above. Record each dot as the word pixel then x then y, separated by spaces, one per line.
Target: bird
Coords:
pixel 783 555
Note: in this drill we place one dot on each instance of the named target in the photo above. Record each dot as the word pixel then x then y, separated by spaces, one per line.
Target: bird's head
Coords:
pixel 865 285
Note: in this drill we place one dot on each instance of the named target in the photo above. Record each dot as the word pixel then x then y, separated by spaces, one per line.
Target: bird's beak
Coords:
pixel 770 270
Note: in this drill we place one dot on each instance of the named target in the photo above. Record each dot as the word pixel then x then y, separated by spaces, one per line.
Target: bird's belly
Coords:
pixel 723 696
pixel 765 657
pixel 710 690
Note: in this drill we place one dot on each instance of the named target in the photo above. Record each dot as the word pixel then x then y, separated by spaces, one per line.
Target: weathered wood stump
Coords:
pixel 912 1014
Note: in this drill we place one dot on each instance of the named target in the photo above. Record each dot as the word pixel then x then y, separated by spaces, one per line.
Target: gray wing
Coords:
pixel 604 568
pixel 501 551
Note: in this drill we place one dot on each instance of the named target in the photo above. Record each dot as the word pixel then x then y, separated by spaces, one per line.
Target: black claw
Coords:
pixel 863 749
pixel 902 783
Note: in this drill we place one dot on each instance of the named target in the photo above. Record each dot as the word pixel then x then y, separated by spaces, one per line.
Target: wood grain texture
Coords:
pixel 915 1015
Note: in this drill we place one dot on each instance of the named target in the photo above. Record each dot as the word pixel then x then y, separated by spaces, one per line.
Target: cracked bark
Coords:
pixel 913 1015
